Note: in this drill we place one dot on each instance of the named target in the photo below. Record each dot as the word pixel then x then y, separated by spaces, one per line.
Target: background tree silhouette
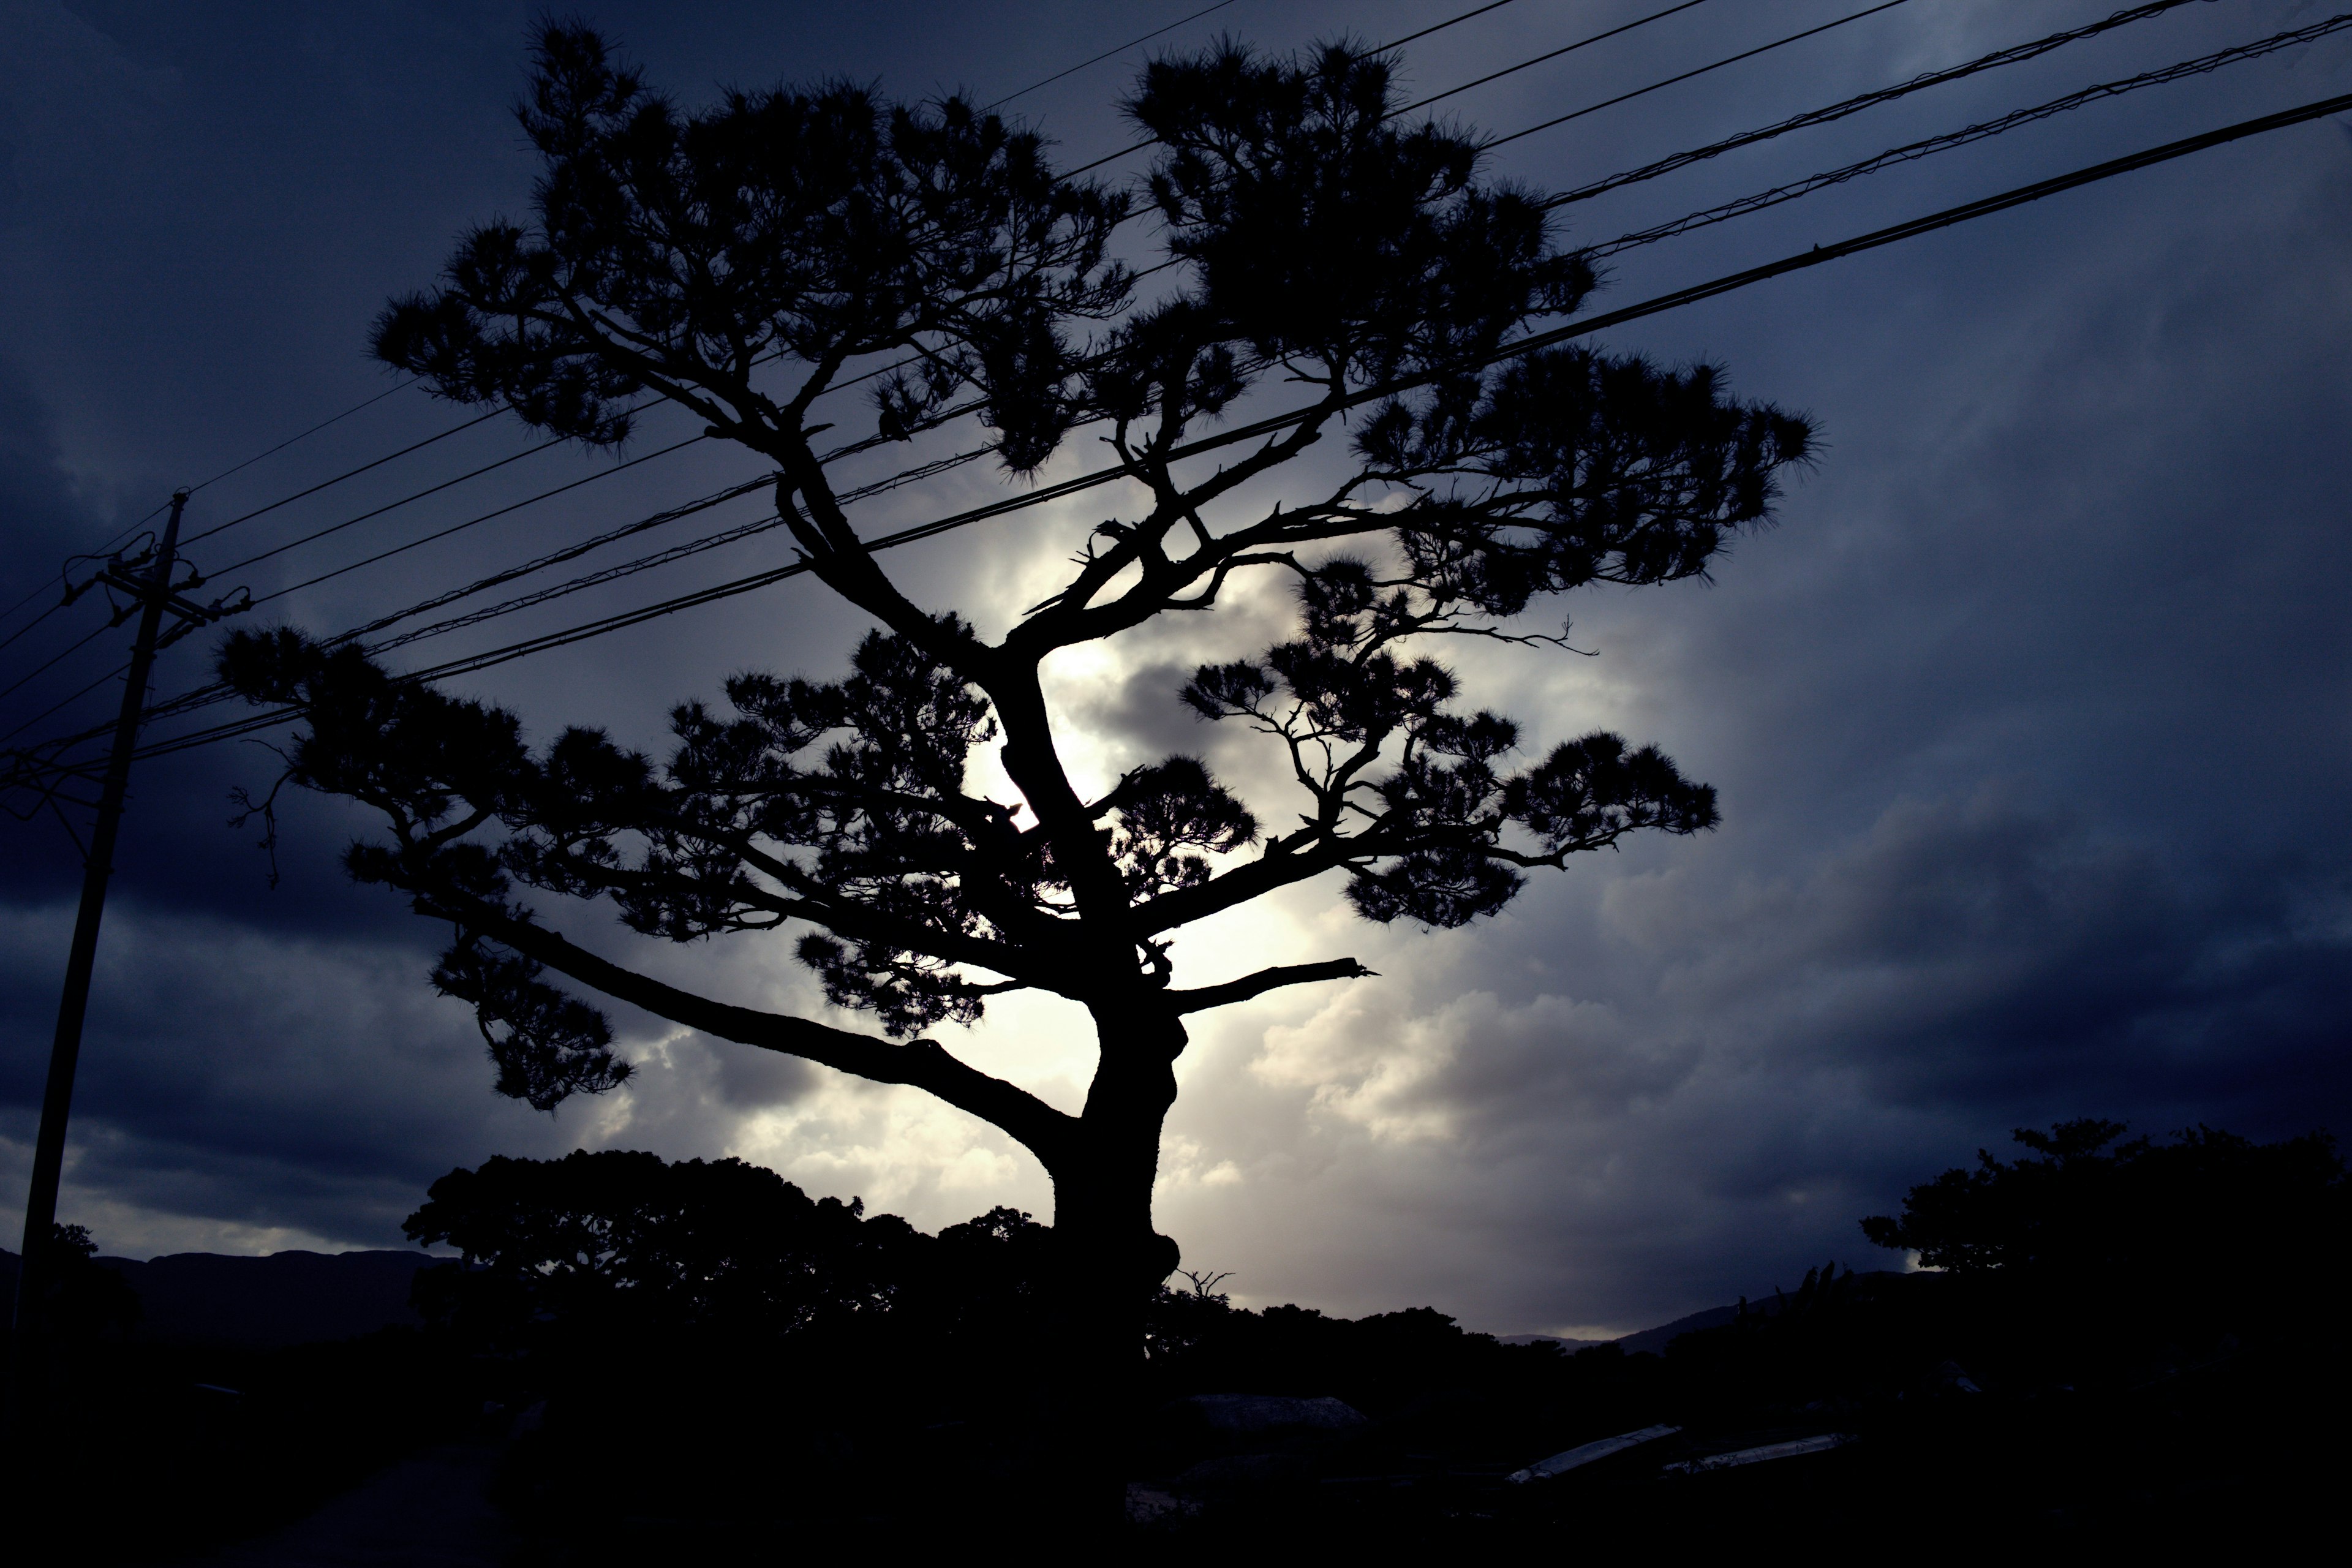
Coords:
pixel 737 261
pixel 2091 1213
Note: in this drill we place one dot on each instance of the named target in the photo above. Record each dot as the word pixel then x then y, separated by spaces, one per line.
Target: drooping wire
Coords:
pixel 1378 49
pixel 1565 49
pixel 1913 152
pixel 1454 21
pixel 675 552
pixel 1700 71
pixel 410 381
pixel 67 701
pixel 71 648
pixel 442 533
pixel 1106 54
pixel 2014 55
pixel 347 474
pixel 111 543
pixel 467 424
pixel 400 385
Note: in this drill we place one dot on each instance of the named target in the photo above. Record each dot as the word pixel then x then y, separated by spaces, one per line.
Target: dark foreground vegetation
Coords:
pixel 2136 1341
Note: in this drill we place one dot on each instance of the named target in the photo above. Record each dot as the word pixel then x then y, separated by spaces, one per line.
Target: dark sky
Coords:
pixel 2030 719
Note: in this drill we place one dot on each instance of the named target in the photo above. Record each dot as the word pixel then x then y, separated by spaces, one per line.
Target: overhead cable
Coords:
pixel 66 701
pixel 1145 38
pixel 225 473
pixel 1454 21
pixel 347 474
pixel 1376 49
pixel 71 648
pixel 1565 49
pixel 614 573
pixel 1914 151
pixel 400 385
pixel 2103 170
pixel 1701 71
pixel 479 518
pixel 2015 54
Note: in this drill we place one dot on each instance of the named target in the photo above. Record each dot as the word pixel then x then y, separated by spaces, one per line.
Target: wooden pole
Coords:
pixel 27 1359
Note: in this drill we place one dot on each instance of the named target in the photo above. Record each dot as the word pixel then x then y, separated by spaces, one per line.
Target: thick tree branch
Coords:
pixel 1207 996
pixel 924 1064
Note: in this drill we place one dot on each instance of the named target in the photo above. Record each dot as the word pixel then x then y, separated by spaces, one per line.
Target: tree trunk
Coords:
pixel 1109 1262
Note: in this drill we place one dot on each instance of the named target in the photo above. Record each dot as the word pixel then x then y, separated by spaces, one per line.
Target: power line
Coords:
pixel 71 648
pixel 1913 152
pixel 347 474
pixel 36 620
pixel 484 517
pixel 67 701
pixel 119 538
pixel 1701 71
pixel 1565 49
pixel 1146 37
pixel 355 566
pixel 494 413
pixel 1439 27
pixel 2015 54
pixel 1833 111
pixel 1379 49
pixel 1694 294
pixel 1675 300
pixel 400 385
pixel 373 513
pixel 201 694
pixel 207 695
pixel 410 381
pixel 659 558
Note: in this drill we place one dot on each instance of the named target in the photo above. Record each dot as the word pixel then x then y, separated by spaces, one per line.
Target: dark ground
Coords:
pixel 2138 1348
pixel 2112 1441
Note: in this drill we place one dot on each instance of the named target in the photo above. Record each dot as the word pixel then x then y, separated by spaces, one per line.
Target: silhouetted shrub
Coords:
pixel 617 1242
pixel 2203 1235
pixel 84 1300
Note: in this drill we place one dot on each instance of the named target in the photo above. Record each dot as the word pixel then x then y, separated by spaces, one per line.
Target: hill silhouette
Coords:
pixel 274 1301
pixel 802 1359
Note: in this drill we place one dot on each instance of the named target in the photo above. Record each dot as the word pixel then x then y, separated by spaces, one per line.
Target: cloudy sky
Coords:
pixel 2029 719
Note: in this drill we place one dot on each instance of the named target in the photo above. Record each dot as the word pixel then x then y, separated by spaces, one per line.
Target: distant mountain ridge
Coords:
pixel 263 1303
pixel 303 1298
pixel 1656 1340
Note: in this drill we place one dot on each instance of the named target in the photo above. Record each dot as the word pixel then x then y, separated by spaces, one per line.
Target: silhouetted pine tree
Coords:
pixel 738 261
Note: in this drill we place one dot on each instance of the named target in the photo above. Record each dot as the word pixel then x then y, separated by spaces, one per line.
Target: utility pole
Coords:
pixel 147 582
